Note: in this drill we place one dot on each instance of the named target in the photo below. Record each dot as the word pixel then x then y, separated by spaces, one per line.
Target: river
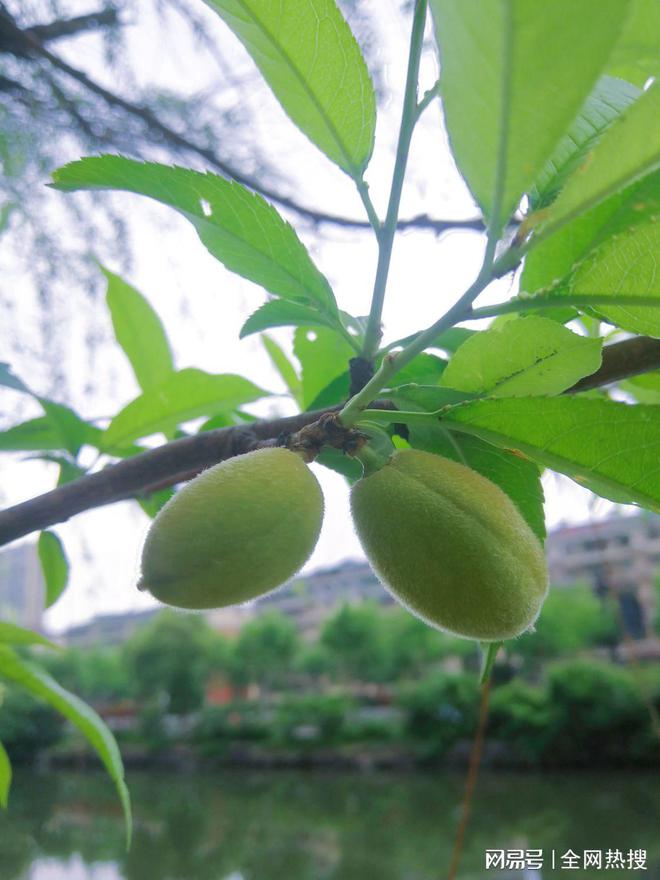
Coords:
pixel 245 825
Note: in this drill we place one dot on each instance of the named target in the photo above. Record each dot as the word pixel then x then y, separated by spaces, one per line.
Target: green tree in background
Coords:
pixel 265 651
pixel 169 660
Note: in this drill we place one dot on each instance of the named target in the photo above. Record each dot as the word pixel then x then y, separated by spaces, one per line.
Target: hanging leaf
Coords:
pixel 139 331
pixel 608 100
pixel 282 313
pixel 5 777
pixel 312 62
pixel 54 566
pixel 628 150
pixel 35 680
pixel 11 634
pixel 508 93
pixel 284 367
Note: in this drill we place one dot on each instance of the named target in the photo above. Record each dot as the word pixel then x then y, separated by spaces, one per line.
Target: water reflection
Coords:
pixel 315 826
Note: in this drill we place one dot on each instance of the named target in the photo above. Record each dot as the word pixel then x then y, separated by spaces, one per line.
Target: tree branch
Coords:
pixel 622 360
pixel 181 460
pixel 181 142
pixel 15 40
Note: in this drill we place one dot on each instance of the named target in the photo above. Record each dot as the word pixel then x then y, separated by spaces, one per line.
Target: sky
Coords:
pixel 203 306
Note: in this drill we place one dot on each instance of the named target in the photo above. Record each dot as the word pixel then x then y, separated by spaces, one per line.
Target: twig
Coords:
pixel 154 124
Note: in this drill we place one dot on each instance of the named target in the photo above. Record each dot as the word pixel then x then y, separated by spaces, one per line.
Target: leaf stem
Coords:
pixel 387 232
pixel 374 220
pixel 551 301
pixel 392 363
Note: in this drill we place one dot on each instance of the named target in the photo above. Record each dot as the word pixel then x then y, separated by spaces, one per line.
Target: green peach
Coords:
pixel 235 532
pixel 451 546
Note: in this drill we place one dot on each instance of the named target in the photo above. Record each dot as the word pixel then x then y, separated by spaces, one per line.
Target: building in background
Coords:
pixel 310 600
pixel 107 630
pixel 22 588
pixel 619 557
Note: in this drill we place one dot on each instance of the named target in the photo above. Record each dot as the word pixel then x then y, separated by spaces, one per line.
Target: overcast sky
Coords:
pixel 203 306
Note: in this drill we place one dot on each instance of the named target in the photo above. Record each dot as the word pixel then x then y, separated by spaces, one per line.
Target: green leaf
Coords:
pixel 518 477
pixel 9 380
pixel 425 369
pixel 624 265
pixel 521 357
pixel 185 395
pixel 11 634
pixel 514 76
pixel 312 62
pixel 62 429
pixel 611 448
pixel 139 331
pixel 644 388
pixel 5 777
pixel 334 393
pixel 37 433
pixel 428 398
pixel 448 340
pixel 635 56
pixel 323 356
pixel 628 150
pixel 151 504
pixel 336 461
pixel 54 565
pixel 237 226
pixel 282 313
pixel 39 683
pixel 284 367
pixel 607 101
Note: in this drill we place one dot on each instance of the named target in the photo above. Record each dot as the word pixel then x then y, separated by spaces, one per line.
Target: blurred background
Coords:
pixel 321 732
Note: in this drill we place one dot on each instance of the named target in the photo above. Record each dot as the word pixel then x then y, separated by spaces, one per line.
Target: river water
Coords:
pixel 245 825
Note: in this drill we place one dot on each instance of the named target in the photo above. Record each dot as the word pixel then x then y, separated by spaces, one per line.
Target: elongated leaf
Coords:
pixel 629 150
pixel 312 62
pixel 185 395
pixel 37 433
pixel 39 683
pixel 139 331
pixel 625 264
pixel 522 357
pixel 54 565
pixel 9 380
pixel 62 429
pixel 611 448
pixel 283 313
pixel 509 93
pixel 635 56
pixel 11 634
pixel 551 262
pixel 323 356
pixel 5 777
pixel 607 101
pixel 237 226
pixel 284 367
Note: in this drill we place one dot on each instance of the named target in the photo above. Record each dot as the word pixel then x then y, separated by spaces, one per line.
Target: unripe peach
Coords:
pixel 235 532
pixel 451 546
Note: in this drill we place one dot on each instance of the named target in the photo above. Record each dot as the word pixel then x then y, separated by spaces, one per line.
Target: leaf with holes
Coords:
pixel 237 226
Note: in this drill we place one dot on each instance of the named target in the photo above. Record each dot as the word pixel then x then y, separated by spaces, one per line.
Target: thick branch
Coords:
pixel 182 459
pixel 622 360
